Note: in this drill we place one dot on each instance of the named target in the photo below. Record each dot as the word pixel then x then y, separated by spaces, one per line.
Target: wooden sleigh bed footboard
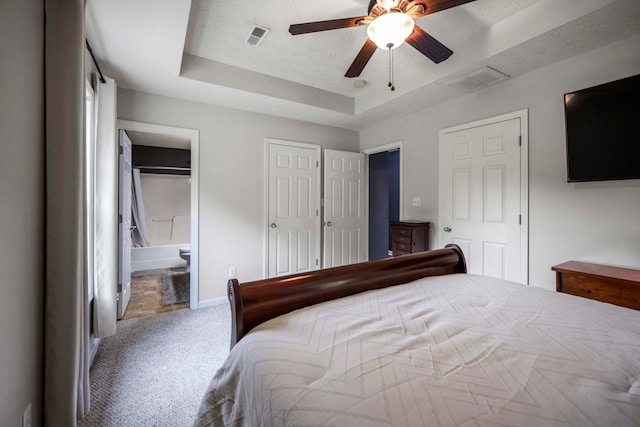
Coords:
pixel 255 302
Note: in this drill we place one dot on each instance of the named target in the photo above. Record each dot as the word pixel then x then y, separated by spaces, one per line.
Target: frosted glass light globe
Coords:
pixel 390 29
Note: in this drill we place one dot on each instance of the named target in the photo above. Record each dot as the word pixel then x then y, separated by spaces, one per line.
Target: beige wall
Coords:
pixel 587 221
pixel 21 209
pixel 232 150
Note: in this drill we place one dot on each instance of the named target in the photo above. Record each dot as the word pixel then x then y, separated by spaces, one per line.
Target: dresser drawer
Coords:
pixel 630 297
pixel 398 253
pixel 402 247
pixel 402 239
pixel 589 287
pixel 401 232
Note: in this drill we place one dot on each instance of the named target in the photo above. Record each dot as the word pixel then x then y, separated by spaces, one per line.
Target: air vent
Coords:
pixel 477 79
pixel 256 35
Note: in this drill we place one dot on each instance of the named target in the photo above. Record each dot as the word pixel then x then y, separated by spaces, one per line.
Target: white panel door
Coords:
pixel 293 211
pixel 345 223
pixel 480 200
pixel 124 229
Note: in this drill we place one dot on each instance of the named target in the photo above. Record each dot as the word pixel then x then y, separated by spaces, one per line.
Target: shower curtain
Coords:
pixel 140 236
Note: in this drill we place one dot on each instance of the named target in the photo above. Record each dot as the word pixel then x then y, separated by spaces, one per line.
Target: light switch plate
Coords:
pixel 416 201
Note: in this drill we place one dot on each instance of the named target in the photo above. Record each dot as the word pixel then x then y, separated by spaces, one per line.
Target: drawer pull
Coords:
pixel 587 291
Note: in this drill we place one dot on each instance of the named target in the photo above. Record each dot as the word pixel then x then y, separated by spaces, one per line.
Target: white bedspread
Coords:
pixel 457 350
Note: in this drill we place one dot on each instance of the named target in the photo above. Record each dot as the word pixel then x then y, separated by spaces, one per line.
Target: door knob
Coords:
pixel 273 225
pixel 447 229
pixel 329 224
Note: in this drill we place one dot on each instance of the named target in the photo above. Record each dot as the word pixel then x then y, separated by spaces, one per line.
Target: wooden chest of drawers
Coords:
pixel 615 285
pixel 408 237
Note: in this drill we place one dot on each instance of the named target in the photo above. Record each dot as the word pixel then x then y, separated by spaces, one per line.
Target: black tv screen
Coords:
pixel 603 131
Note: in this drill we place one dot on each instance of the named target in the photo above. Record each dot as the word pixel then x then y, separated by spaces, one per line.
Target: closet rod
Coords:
pixel 102 80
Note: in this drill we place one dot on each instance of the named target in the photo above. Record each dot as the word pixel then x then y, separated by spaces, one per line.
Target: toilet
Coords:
pixel 185 254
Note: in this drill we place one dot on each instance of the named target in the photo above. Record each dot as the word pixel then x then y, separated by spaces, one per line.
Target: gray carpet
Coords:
pixel 175 288
pixel 154 370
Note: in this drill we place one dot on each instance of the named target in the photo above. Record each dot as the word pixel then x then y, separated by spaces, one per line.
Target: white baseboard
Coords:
pixel 212 302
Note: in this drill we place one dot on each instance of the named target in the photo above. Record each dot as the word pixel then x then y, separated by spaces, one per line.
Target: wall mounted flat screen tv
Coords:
pixel 603 131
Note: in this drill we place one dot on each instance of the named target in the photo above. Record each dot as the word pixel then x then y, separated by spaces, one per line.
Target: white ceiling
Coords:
pixel 196 50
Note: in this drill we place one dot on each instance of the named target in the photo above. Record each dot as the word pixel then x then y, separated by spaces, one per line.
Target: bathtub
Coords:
pixel 150 257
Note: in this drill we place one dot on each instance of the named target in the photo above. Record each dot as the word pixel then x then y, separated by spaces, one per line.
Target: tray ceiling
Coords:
pixel 196 50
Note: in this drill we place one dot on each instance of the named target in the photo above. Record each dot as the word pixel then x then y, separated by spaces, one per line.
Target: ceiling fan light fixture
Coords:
pixel 388 4
pixel 390 30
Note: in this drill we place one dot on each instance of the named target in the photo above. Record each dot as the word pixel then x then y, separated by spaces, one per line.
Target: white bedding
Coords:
pixel 456 350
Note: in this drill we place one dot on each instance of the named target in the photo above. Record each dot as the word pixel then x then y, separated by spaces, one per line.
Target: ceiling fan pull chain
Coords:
pixel 391 85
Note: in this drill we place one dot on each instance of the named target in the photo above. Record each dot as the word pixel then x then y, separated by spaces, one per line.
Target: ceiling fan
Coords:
pixel 390 23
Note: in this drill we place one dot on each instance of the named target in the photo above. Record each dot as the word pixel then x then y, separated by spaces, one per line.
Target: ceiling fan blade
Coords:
pixel 438 5
pixel 428 46
pixel 333 24
pixel 362 58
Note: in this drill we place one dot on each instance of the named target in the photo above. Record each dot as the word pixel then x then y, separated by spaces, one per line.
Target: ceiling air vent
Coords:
pixel 477 79
pixel 256 35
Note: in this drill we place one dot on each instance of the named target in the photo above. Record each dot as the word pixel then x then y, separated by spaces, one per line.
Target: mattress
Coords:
pixel 455 350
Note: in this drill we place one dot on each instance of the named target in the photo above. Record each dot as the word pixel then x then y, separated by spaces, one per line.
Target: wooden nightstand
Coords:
pixel 408 237
pixel 615 285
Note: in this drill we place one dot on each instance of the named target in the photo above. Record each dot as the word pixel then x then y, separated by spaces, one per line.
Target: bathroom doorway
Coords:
pixel 164 256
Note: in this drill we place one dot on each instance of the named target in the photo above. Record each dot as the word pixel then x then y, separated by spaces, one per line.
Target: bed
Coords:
pixel 415 341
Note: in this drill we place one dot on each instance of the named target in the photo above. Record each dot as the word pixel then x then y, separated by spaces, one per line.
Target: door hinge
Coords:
pixel 519 219
pixel 120 149
pixel 119 218
pixel 317 163
pixel 317 212
pixel 316 261
pixel 119 288
pixel 520 140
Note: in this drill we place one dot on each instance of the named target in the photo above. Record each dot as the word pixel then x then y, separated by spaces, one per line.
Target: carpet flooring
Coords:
pixel 155 370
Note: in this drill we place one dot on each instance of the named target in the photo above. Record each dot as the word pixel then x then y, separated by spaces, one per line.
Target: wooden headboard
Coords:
pixel 255 302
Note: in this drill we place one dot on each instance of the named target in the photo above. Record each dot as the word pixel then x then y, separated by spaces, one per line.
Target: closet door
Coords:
pixel 481 195
pixel 345 221
pixel 293 223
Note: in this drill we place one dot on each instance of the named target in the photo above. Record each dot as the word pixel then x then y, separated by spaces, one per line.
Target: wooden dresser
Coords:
pixel 408 237
pixel 615 285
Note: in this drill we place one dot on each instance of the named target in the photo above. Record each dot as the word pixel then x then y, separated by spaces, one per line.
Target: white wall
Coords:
pixel 596 222
pixel 21 209
pixel 232 148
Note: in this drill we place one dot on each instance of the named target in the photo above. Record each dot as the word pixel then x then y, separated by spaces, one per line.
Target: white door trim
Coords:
pixel 265 204
pixel 194 136
pixel 523 115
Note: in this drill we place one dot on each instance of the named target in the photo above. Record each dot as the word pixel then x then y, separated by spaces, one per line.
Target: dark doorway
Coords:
pixel 384 200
